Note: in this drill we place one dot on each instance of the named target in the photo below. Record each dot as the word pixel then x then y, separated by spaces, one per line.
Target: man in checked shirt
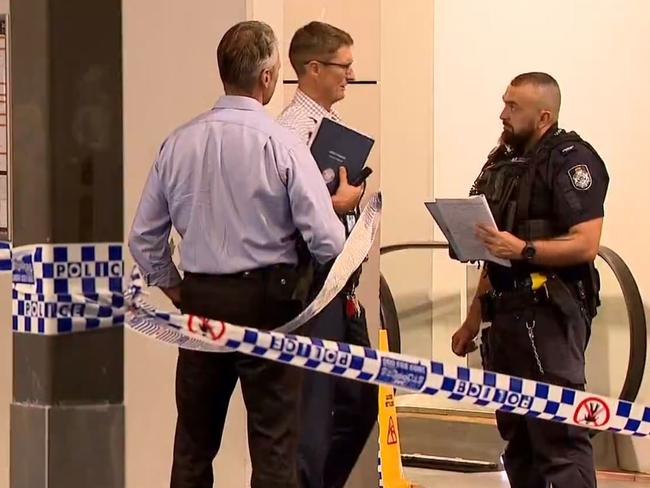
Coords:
pixel 337 414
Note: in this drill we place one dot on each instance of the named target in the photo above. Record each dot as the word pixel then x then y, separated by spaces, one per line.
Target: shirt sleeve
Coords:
pixel 580 182
pixel 148 239
pixel 311 206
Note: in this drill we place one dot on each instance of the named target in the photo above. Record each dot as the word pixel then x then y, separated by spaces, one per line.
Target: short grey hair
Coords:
pixel 244 51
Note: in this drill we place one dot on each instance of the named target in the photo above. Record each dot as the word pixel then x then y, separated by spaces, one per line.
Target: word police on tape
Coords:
pixel 483 388
pixel 61 288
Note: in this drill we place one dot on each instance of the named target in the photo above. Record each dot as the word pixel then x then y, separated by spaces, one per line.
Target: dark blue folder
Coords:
pixel 336 145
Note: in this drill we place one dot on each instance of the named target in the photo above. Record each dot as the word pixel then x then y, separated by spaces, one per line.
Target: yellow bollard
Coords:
pixel 390 457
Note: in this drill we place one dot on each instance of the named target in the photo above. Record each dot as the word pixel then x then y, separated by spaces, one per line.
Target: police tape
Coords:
pixel 74 287
pixel 5 256
pixel 356 249
pixel 478 387
pixel 61 288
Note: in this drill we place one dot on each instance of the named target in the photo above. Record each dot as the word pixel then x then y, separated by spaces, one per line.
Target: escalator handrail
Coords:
pixel 413 245
pixel 637 320
pixel 631 295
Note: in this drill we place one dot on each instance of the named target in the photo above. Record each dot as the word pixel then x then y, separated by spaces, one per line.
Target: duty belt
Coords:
pixel 531 291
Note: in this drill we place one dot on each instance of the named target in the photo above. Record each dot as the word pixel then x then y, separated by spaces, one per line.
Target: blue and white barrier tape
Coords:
pixel 65 288
pixel 356 249
pixel 478 387
pixel 5 256
pixel 61 288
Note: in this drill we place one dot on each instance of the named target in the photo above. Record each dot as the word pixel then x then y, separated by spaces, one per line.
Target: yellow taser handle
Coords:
pixel 538 280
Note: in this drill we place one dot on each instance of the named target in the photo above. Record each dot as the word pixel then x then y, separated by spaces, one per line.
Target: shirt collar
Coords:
pixel 239 103
pixel 313 107
pixel 552 131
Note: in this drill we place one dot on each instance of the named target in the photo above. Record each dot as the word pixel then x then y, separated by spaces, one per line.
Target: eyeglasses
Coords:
pixel 346 66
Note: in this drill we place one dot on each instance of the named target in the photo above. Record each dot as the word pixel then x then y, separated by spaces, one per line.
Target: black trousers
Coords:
pixel 205 382
pixel 338 414
pixel 541 452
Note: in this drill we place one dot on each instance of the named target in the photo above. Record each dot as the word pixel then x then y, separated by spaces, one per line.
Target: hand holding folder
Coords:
pixel 334 145
pixel 458 219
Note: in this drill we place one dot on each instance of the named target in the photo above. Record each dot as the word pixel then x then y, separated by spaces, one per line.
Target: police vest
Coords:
pixel 507 183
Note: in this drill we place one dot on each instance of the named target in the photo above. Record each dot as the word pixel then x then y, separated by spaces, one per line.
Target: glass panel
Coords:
pixel 408 274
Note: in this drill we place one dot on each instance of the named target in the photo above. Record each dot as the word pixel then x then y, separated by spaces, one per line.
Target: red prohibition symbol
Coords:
pixel 592 412
pixel 205 326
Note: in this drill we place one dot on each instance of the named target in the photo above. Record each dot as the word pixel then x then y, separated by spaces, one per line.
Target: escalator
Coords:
pixel 444 435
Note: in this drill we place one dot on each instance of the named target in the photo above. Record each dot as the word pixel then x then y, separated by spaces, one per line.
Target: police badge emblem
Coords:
pixel 580 177
pixel 329 175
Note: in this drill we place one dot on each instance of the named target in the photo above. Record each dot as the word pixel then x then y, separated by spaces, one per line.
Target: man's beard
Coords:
pixel 517 140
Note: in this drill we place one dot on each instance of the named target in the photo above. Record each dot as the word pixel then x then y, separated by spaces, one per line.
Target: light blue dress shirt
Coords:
pixel 236 186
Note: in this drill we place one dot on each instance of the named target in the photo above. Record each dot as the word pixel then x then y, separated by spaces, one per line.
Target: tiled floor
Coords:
pixel 444 479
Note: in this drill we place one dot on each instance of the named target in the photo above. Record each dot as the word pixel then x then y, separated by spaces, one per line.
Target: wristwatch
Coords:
pixel 529 251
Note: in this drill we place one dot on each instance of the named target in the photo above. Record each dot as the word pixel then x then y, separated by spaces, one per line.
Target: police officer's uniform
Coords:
pixel 541 316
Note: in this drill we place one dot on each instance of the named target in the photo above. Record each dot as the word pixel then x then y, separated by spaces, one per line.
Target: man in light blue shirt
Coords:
pixel 239 189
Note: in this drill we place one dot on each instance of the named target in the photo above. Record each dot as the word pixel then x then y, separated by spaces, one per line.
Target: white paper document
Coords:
pixel 458 218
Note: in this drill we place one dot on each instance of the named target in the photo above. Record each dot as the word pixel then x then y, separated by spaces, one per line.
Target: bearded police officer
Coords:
pixel 240 189
pixel 546 188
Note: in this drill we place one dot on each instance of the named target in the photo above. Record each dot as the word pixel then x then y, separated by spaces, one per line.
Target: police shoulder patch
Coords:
pixel 580 177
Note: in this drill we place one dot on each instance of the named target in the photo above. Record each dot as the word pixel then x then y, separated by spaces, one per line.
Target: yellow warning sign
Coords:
pixel 392 434
pixel 390 457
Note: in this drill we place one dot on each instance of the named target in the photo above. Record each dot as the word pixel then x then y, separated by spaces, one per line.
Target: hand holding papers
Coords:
pixel 458 219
